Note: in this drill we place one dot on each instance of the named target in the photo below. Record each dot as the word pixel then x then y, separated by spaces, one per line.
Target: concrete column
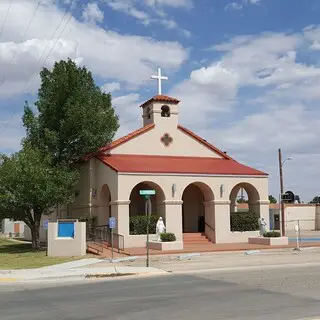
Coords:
pixel 120 210
pixel 210 220
pixel 222 220
pixel 317 222
pixel 173 209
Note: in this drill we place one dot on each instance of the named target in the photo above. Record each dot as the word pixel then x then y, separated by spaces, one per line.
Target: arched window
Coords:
pixel 165 111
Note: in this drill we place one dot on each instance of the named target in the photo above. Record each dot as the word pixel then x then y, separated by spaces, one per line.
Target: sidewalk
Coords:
pixel 76 270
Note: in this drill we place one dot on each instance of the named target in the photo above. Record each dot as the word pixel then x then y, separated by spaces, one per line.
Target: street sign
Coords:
pixel 45 224
pixel 112 222
pixel 147 192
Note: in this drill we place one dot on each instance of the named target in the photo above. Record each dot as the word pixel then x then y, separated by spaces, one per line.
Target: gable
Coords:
pixel 147 141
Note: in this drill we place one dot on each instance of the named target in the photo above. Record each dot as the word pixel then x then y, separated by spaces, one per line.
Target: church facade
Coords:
pixel 196 184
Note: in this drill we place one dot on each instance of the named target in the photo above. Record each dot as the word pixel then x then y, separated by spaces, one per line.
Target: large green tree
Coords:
pixel 315 200
pixel 30 187
pixel 74 117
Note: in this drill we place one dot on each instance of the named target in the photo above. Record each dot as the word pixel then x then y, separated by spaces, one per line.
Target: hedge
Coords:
pixel 272 234
pixel 138 224
pixel 244 221
pixel 168 237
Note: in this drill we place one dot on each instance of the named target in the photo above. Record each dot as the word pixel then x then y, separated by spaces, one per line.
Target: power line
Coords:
pixel 6 18
pixel 33 76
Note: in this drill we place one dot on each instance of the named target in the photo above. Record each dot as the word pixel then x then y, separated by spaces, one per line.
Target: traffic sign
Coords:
pixel 147 192
pixel 45 224
pixel 112 222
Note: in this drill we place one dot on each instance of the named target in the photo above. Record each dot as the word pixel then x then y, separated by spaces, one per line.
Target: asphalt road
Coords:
pixel 271 294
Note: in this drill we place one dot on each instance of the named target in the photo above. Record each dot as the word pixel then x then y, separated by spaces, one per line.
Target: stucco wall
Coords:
pixel 305 214
pixel 150 143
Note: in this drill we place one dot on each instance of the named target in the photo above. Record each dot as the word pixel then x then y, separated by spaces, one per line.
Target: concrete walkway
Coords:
pixel 75 270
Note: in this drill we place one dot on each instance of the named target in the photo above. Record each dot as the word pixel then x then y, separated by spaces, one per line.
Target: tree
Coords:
pixel 241 200
pixel 74 117
pixel 315 200
pixel 30 186
pixel 272 199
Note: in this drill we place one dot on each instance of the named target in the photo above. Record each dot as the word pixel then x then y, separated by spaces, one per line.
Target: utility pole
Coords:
pixel 283 226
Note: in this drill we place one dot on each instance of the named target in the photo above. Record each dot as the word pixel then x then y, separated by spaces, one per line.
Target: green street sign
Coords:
pixel 147 192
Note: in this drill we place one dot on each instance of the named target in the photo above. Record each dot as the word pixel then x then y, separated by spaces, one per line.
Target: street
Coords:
pixel 276 293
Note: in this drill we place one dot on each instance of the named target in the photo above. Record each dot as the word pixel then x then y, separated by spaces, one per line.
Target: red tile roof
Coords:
pixel 161 98
pixel 176 165
pixel 204 142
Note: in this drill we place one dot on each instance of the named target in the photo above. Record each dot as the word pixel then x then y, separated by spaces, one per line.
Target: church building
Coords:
pixel 196 185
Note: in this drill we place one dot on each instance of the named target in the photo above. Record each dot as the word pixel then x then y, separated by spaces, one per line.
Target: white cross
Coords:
pixel 159 77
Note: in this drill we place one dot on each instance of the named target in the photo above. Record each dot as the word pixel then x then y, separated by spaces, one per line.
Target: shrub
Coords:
pixel 244 221
pixel 272 234
pixel 138 224
pixel 168 237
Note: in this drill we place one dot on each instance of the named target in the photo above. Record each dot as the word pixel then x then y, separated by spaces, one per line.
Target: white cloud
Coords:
pixel 259 96
pixel 139 10
pixel 240 4
pixel 103 52
pixel 92 13
pixel 110 87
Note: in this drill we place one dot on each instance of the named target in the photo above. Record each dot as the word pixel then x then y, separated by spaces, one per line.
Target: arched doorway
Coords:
pixel 195 212
pixel 244 197
pixel 137 202
pixel 104 209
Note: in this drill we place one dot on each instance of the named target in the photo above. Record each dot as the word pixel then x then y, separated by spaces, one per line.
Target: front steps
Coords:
pixel 195 238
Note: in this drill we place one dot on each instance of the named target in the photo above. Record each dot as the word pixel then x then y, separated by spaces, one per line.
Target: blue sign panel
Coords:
pixel 45 224
pixel 65 229
pixel 112 222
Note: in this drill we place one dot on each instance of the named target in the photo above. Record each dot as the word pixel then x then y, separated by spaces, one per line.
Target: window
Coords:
pixel 165 111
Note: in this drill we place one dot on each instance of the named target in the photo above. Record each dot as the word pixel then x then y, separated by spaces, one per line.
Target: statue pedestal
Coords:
pixel 166 246
pixel 280 241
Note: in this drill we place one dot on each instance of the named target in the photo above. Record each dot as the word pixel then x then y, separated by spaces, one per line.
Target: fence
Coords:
pixel 307 230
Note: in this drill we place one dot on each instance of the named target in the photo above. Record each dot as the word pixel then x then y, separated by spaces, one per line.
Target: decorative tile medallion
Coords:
pixel 166 139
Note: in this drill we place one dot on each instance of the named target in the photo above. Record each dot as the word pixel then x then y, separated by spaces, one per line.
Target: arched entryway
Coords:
pixel 244 197
pixel 104 207
pixel 196 211
pixel 137 202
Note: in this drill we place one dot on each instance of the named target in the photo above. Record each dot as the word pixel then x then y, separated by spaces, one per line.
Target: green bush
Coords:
pixel 244 221
pixel 272 234
pixel 90 220
pixel 138 224
pixel 168 237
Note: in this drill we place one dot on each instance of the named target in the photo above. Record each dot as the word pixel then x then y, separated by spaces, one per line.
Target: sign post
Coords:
pixel 297 229
pixel 45 227
pixel 112 225
pixel 148 209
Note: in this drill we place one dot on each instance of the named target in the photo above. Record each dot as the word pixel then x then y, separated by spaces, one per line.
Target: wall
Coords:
pixel 15 228
pixel 306 214
pixel 67 247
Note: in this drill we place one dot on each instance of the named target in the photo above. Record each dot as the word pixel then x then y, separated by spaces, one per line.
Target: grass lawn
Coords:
pixel 19 255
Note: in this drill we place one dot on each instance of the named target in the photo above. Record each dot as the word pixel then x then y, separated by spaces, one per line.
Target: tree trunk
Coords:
pixel 35 234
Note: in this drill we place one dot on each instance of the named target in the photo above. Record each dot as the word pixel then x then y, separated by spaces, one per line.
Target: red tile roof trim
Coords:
pixel 176 165
pixel 128 137
pixel 160 98
pixel 204 142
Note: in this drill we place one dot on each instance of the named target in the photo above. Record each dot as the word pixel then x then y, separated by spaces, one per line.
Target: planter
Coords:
pixel 280 241
pixel 166 246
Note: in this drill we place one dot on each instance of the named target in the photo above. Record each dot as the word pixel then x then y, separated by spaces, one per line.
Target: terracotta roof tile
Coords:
pixel 176 165
pixel 161 98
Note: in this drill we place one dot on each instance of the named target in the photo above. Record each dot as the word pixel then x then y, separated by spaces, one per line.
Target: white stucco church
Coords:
pixel 196 184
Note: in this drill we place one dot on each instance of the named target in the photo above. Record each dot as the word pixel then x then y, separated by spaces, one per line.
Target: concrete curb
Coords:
pixel 79 274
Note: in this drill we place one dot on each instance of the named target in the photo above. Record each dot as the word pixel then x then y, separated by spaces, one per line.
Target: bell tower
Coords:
pixel 160 110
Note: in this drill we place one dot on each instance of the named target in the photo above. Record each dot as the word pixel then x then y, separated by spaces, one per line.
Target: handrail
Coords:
pixel 208 225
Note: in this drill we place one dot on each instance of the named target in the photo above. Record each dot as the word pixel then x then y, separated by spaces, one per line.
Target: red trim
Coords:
pixel 160 98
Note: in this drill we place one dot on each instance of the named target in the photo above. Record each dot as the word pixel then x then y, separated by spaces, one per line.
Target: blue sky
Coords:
pixel 247 71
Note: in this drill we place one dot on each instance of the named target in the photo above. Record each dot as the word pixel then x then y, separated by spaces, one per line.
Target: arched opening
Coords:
pixel 104 209
pixel 165 111
pixel 244 197
pixel 137 202
pixel 196 212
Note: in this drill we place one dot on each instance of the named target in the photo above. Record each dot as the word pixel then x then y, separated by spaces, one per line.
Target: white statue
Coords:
pixel 160 229
pixel 263 226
